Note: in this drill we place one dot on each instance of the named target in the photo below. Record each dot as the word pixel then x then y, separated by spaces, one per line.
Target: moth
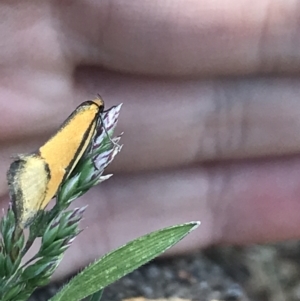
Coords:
pixel 34 178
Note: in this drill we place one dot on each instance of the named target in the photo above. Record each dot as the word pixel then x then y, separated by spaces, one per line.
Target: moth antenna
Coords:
pixel 106 132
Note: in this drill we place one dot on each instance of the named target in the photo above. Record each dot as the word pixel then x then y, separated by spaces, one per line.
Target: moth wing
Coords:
pixel 28 178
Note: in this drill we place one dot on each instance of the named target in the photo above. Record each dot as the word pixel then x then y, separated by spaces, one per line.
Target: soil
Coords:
pixel 256 273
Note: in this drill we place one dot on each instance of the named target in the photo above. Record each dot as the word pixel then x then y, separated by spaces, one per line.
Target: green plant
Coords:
pixel 59 226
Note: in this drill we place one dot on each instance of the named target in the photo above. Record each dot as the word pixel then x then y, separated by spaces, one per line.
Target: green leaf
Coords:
pixel 96 296
pixel 39 268
pixel 122 261
pixel 13 291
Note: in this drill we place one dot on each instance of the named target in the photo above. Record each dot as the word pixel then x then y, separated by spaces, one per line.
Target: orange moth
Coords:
pixel 34 178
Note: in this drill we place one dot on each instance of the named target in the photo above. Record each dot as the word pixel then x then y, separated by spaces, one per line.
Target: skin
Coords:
pixel 211 112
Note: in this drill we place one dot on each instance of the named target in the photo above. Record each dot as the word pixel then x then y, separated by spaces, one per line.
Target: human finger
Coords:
pixel 183 38
pixel 237 203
